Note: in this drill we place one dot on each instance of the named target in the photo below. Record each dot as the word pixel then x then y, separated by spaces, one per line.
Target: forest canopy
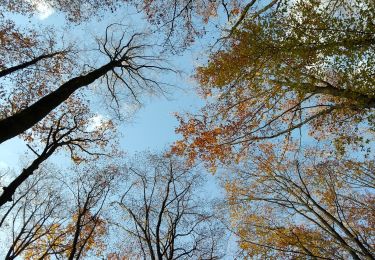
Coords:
pixel 273 156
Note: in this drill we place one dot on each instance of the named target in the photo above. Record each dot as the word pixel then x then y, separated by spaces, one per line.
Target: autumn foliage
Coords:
pixel 282 74
pixel 287 126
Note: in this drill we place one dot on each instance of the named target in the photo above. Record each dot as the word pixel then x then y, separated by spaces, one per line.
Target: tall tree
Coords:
pixel 127 66
pixel 314 206
pixel 163 213
pixel 304 64
pixel 47 221
pixel 71 128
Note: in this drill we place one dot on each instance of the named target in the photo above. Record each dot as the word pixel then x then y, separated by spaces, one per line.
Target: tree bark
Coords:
pixel 25 119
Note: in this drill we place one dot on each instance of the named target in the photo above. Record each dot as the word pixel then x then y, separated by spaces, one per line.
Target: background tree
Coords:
pixel 27 216
pixel 310 207
pixel 22 50
pixel 76 11
pixel 164 216
pixel 183 21
pixel 71 127
pixel 47 224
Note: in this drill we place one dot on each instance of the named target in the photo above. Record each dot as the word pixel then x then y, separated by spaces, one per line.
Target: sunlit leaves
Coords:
pixel 304 66
pixel 312 206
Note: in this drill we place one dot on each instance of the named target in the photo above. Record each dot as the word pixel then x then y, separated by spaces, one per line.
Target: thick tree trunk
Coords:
pixel 25 119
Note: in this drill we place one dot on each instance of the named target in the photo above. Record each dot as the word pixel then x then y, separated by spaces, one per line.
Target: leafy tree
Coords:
pixel 21 49
pixel 303 64
pixel 69 223
pixel 307 207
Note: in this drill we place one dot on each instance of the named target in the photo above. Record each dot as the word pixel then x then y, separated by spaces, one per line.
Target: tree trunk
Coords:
pixel 25 119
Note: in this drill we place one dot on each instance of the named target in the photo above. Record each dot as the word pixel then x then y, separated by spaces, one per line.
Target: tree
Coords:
pixel 68 128
pixel 45 223
pixel 307 207
pixel 301 65
pixel 123 67
pixel 76 11
pixel 126 66
pixel 27 215
pixel 163 214
pixel 182 21
pixel 21 49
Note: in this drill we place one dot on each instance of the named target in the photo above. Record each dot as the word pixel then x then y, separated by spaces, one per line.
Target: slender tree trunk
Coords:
pixel 9 191
pixel 76 237
pixel 26 64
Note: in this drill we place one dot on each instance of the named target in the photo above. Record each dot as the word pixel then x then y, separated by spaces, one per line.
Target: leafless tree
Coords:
pixel 129 65
pixel 164 214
